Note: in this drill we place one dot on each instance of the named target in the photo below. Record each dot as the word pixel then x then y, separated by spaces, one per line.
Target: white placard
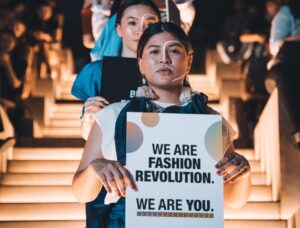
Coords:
pixel 172 158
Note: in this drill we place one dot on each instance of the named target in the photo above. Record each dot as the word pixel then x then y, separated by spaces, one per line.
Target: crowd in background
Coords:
pixel 249 33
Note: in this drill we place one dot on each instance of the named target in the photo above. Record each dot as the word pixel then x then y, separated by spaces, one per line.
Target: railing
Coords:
pixel 267 147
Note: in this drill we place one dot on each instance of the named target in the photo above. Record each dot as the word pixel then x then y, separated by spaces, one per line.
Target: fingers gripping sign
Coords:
pixel 93 105
pixel 114 177
pixel 232 167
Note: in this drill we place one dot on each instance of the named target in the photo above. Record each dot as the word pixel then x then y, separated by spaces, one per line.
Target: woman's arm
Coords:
pixel 235 170
pixel 94 172
pixel 91 106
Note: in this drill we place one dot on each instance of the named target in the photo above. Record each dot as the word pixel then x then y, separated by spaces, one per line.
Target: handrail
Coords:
pixel 266 144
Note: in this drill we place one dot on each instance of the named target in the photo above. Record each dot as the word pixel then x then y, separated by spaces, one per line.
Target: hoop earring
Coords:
pixel 145 90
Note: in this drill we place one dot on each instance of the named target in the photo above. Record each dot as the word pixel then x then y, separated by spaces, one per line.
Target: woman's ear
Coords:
pixel 190 61
pixel 119 31
pixel 140 62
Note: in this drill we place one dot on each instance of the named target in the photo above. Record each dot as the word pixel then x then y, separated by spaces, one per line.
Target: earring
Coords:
pixel 145 90
pixel 186 92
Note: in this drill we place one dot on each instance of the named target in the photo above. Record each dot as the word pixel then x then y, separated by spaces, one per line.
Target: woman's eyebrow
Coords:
pixel 131 17
pixel 153 46
pixel 176 44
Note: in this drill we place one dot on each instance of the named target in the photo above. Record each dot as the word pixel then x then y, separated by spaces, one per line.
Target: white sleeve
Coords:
pixel 99 19
pixel 106 119
pixel 187 14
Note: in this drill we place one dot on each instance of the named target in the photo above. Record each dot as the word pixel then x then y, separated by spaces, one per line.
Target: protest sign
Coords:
pixel 172 159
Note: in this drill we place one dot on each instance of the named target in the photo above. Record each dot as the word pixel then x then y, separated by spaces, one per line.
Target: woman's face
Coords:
pixel 45 12
pixel 165 61
pixel 133 23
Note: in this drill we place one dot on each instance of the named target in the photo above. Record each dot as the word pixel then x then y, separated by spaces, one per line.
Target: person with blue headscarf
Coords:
pixel 132 18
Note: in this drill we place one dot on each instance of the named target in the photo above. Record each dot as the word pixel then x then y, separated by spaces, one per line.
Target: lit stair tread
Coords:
pixel 42 211
pixel 37 179
pixel 44 224
pixel 32 166
pixel 41 194
pixel 255 224
pixel 75 211
pixel 36 194
pixel 47 153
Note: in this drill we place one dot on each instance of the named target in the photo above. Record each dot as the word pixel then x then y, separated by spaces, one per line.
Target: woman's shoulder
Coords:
pixel 284 11
pixel 88 81
pixel 111 110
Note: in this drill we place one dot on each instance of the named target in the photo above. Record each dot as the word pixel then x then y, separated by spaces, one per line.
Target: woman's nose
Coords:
pixel 165 60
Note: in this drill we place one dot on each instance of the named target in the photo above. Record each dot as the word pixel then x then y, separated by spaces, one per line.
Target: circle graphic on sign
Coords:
pixel 213 141
pixel 150 119
pixel 134 137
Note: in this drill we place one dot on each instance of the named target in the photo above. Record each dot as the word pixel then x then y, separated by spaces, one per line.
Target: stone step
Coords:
pixel 42 166
pixel 80 224
pixel 255 224
pixel 44 224
pixel 75 211
pixel 254 211
pixel 66 108
pixel 66 115
pixel 66 132
pixel 47 153
pixel 258 178
pixel 37 179
pixel 42 194
pixel 255 166
pixel 42 211
pixel 261 193
pixel 65 123
pixel 247 153
pixel 36 194
pixel 29 179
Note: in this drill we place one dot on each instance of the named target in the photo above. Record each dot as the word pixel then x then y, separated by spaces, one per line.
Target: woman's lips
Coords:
pixel 165 69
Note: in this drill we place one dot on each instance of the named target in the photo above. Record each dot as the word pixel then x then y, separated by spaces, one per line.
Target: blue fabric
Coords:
pixel 109 43
pixel 99 215
pixel 88 81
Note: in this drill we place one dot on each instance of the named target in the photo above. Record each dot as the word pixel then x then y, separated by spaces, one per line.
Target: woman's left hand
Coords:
pixel 232 167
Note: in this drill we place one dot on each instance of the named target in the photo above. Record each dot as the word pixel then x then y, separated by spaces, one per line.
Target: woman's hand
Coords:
pixel 93 105
pixel 232 167
pixel 114 177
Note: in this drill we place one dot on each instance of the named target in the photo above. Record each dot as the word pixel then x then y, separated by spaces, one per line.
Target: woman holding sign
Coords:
pixel 133 17
pixel 165 56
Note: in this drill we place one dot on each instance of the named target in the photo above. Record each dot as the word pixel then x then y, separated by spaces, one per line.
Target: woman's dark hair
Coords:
pixel 161 27
pixel 128 3
pixel 295 8
pixel 115 6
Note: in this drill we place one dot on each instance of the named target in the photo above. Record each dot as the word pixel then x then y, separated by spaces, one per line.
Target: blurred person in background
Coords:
pixel 10 79
pixel 44 31
pixel 285 65
pixel 104 17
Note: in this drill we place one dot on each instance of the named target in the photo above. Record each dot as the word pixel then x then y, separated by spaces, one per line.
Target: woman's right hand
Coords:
pixel 93 105
pixel 114 176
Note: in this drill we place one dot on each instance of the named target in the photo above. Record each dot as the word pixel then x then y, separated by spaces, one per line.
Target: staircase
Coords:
pixel 35 188
pixel 36 192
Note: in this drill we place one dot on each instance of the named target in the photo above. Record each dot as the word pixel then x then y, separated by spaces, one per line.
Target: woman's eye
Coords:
pixel 154 52
pixel 174 51
pixel 132 23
